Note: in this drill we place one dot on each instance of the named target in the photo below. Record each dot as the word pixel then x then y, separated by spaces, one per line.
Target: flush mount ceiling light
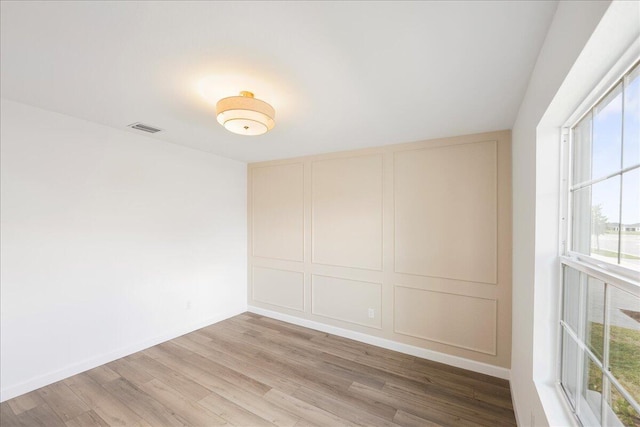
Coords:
pixel 245 115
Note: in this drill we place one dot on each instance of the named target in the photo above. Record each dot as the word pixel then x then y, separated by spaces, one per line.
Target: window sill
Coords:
pixel 556 408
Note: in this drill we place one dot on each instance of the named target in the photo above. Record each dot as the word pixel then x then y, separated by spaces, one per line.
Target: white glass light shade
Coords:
pixel 245 115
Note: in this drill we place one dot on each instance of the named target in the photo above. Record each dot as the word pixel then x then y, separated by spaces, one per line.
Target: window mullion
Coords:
pixel 620 220
pixel 584 184
pixel 582 326
pixel 622 94
pixel 605 354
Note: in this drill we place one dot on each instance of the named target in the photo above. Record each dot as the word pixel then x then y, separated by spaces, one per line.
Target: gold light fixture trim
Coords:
pixel 245 115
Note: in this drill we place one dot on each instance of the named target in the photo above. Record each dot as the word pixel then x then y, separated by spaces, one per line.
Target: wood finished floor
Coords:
pixel 255 371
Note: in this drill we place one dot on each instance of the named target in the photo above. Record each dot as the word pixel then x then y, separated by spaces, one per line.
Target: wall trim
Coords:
pixel 458 362
pixel 76 368
pixel 424 337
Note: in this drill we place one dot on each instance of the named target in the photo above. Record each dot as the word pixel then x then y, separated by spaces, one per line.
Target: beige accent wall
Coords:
pixel 408 242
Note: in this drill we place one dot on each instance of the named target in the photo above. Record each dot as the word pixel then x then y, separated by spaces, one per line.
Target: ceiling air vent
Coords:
pixel 144 128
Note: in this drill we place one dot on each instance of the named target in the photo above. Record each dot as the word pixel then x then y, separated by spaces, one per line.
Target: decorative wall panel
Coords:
pixel 277 211
pixel 446 212
pixel 347 212
pixel 358 302
pixel 278 287
pixel 459 320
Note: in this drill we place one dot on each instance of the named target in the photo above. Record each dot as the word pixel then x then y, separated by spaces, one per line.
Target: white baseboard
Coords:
pixel 76 368
pixel 458 362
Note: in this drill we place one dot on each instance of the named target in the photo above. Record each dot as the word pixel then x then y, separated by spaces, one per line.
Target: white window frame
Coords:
pixel 566 168
pixel 611 274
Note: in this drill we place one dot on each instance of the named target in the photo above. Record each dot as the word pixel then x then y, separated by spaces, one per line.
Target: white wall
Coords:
pixel 584 41
pixel 111 242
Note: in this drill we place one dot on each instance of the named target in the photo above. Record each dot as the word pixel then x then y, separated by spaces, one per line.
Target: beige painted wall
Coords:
pixel 416 235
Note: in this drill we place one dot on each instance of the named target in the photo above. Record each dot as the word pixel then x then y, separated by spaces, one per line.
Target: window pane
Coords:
pixel 630 220
pixel 571 298
pixel 620 411
pixel 595 222
pixel 624 341
pixel 591 390
pixel 594 332
pixel 570 356
pixel 607 135
pixel 582 150
pixel 581 221
pixel 631 149
pixel 605 214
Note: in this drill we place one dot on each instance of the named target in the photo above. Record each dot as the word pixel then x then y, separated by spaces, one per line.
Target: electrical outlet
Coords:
pixel 372 313
pixel 189 305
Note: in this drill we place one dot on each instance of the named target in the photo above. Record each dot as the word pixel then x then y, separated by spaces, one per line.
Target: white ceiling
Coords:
pixel 341 75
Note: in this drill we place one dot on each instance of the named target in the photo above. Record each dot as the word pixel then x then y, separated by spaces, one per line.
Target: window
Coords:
pixel 600 314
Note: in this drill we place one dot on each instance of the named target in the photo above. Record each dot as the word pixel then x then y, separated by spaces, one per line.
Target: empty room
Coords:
pixel 320 213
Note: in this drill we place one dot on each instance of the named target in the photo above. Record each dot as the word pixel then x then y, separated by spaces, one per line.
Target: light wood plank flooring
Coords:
pixel 255 371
